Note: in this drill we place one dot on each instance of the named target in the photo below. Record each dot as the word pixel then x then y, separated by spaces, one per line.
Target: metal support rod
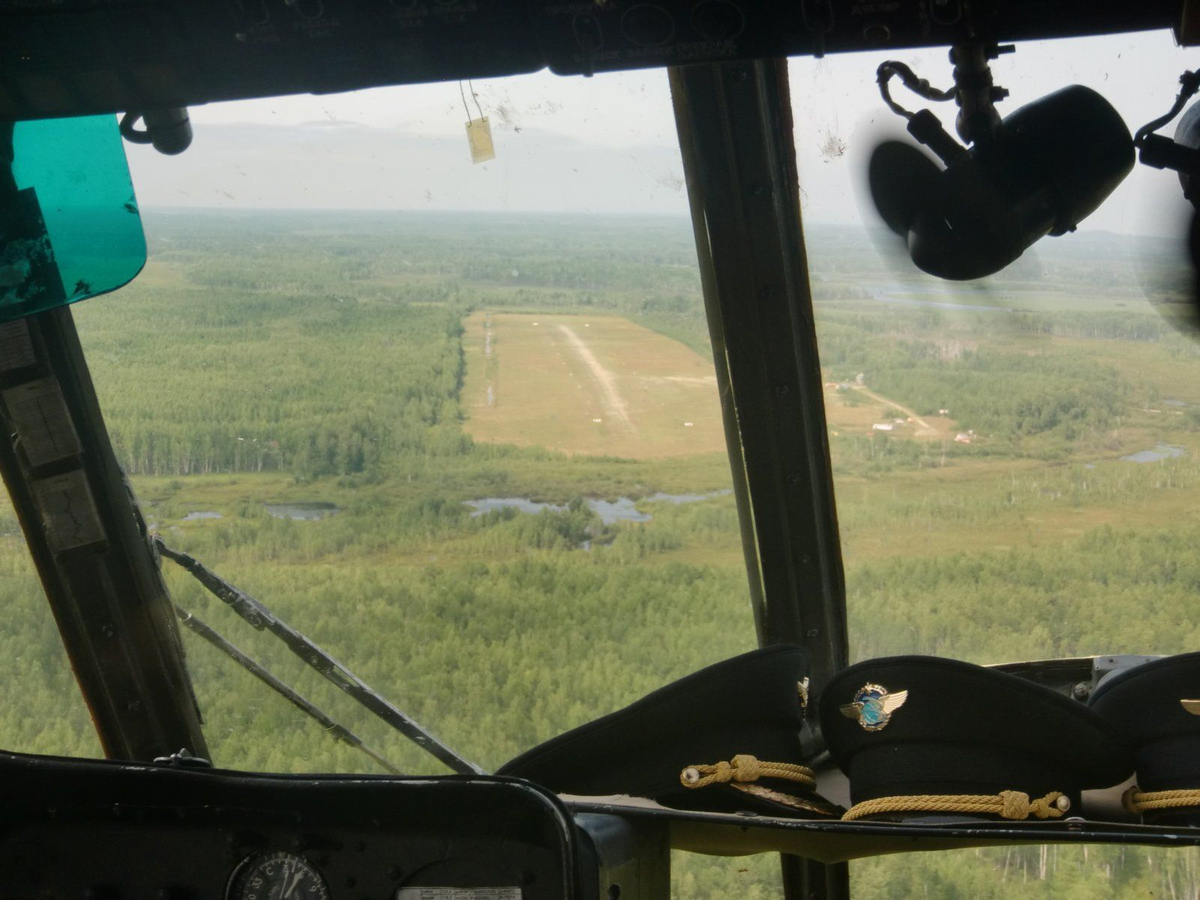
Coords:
pixel 807 879
pixel 716 333
pixel 735 134
pixel 974 91
pixel 258 616
pixel 262 673
pixel 739 161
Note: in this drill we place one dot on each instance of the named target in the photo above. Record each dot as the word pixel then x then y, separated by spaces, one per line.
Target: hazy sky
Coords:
pixel 607 144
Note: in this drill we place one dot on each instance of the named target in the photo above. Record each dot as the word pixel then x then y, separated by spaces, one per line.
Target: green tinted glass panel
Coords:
pixel 69 222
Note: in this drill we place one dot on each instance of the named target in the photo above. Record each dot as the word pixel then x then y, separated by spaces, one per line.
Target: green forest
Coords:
pixel 264 363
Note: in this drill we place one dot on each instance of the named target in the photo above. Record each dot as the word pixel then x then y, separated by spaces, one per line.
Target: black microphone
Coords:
pixel 1042 170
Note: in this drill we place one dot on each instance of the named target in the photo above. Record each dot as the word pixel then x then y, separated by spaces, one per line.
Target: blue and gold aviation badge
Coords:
pixel 873 706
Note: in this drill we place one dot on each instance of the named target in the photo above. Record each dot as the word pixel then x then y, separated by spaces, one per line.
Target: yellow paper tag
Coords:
pixel 479 136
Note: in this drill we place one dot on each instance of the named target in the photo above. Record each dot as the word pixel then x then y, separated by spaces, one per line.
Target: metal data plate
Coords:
pixel 39 416
pixel 68 511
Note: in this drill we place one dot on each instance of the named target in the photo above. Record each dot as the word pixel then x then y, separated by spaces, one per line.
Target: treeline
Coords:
pixel 229 395
pixel 1032 873
pixel 1008 394
pixel 1113 588
pixel 1122 326
pixel 268 251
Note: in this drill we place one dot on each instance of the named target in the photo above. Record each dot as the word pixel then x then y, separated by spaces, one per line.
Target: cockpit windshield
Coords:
pixel 459 424
pixel 1013 456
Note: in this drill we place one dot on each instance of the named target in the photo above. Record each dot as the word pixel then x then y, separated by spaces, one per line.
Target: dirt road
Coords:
pixel 923 428
pixel 610 398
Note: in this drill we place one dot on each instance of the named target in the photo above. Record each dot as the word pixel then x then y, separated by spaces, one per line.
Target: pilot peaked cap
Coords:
pixel 1156 708
pixel 724 739
pixel 909 727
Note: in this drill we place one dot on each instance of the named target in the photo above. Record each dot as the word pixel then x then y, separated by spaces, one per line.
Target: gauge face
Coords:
pixel 276 875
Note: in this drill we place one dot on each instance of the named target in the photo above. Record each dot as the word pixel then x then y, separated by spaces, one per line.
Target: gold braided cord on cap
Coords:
pixel 1006 804
pixel 744 768
pixel 1135 801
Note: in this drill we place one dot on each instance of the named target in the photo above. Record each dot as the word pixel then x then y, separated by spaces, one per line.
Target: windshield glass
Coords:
pixel 1015 459
pixel 456 423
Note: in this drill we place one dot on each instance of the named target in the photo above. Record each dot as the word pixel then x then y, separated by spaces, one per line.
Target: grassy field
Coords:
pixel 590 385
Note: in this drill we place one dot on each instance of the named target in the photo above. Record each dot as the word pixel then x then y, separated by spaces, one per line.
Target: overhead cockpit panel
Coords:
pixel 75 57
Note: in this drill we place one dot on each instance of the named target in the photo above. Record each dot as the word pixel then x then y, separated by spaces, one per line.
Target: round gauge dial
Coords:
pixel 276 875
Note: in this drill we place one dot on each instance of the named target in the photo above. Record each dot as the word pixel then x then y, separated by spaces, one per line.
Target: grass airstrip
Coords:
pixel 591 385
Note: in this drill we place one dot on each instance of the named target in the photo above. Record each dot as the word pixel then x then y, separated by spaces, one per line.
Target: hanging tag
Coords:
pixel 479 136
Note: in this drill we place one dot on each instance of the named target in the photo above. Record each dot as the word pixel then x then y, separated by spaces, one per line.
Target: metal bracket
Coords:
pixel 181 759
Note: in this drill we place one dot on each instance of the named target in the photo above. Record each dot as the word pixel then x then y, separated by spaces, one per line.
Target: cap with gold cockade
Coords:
pixel 923 737
pixel 1156 708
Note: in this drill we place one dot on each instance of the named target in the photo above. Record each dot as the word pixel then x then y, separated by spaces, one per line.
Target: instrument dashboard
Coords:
pixel 115 831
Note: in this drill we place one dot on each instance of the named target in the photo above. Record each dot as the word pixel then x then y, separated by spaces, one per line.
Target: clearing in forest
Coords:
pixel 855 409
pixel 594 385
